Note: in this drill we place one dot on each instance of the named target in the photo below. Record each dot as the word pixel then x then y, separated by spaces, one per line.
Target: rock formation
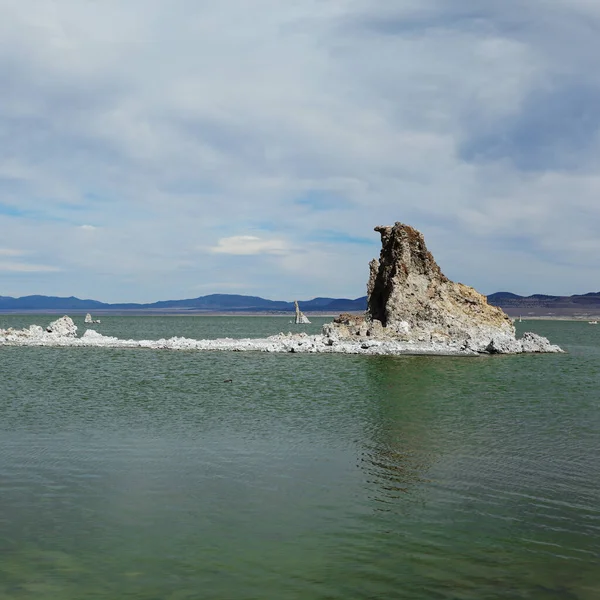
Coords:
pixel 60 332
pixel 411 300
pixel 63 327
pixel 63 335
pixel 301 318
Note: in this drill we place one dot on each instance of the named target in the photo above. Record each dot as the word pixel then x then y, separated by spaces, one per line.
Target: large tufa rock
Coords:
pixel 411 300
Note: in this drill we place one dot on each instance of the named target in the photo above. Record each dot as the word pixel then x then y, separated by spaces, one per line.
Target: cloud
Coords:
pixel 247 245
pixel 10 252
pixel 21 267
pixel 169 124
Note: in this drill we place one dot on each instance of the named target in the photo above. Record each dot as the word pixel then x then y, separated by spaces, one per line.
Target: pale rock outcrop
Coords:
pixel 532 342
pixel 59 332
pixel 63 327
pixel 290 343
pixel 411 300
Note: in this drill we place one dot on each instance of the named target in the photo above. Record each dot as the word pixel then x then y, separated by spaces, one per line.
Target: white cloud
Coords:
pixel 248 244
pixel 21 267
pixel 10 252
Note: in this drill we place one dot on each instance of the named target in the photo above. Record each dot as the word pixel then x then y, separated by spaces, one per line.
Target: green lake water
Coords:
pixel 140 474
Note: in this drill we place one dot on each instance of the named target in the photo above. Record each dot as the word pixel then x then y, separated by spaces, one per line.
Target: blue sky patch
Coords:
pixel 322 200
pixel 339 237
pixel 12 211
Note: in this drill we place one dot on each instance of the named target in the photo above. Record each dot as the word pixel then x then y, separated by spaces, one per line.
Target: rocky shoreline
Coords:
pixel 63 333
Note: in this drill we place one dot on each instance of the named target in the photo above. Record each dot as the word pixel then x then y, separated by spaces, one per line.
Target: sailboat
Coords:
pixel 301 318
pixel 88 319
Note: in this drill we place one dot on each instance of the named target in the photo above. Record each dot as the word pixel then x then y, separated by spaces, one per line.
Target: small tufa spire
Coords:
pixel 301 318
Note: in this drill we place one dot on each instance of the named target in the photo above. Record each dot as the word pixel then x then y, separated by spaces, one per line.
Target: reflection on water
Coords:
pixel 397 450
pixel 131 474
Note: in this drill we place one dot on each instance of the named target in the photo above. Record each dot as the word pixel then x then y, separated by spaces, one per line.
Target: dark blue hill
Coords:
pixel 241 303
pixel 49 302
pixel 501 296
pixel 212 302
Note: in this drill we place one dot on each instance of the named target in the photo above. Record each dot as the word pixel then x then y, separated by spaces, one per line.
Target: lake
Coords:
pixel 141 474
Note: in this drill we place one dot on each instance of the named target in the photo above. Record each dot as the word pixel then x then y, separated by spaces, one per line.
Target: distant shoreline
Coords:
pixel 202 313
pixel 585 319
pixel 166 313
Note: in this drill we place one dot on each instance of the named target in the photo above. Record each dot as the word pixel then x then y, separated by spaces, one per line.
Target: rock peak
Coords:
pixel 410 246
pixel 411 300
pixel 404 254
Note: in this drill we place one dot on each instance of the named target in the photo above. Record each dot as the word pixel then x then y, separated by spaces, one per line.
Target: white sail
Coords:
pixel 301 318
pixel 88 319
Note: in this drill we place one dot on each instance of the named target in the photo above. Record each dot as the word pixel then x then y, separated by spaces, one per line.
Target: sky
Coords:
pixel 166 149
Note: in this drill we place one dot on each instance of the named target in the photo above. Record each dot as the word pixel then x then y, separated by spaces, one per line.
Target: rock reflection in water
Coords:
pixel 399 449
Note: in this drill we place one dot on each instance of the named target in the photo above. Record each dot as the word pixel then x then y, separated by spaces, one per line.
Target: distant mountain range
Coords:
pixel 513 304
pixel 544 305
pixel 211 303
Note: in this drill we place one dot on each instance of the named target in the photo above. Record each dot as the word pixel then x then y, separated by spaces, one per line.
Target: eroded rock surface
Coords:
pixel 411 300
